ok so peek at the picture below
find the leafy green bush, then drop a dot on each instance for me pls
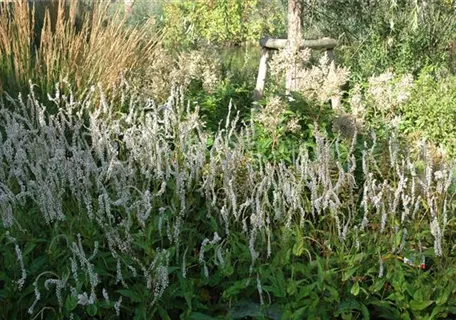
(225, 21)
(403, 35)
(212, 78)
(215, 106)
(431, 111)
(418, 109)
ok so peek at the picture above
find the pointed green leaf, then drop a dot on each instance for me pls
(355, 289)
(134, 296)
(420, 305)
(92, 310)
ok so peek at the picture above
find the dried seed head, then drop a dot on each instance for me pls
(345, 126)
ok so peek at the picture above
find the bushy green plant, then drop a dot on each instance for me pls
(373, 36)
(430, 111)
(215, 106)
(285, 122)
(212, 79)
(417, 109)
(234, 22)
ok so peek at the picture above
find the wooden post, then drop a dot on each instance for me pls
(262, 71)
(294, 37)
(330, 54)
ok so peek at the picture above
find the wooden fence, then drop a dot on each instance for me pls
(269, 44)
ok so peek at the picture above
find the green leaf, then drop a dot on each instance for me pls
(300, 313)
(133, 295)
(227, 269)
(321, 275)
(140, 314)
(355, 289)
(417, 305)
(70, 303)
(298, 247)
(348, 306)
(37, 263)
(246, 309)
(439, 312)
(443, 297)
(200, 316)
(398, 239)
(233, 290)
(29, 248)
(292, 287)
(387, 309)
(163, 313)
(421, 294)
(92, 310)
(349, 273)
(378, 285)
(306, 291)
(365, 311)
(333, 294)
(279, 285)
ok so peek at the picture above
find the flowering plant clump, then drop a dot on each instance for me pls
(202, 65)
(270, 115)
(318, 83)
(119, 196)
(387, 91)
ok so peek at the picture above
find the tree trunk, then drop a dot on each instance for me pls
(294, 39)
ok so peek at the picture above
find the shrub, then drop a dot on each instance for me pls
(233, 22)
(430, 111)
(373, 36)
(210, 81)
(418, 109)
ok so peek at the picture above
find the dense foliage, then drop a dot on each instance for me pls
(138, 178)
(223, 21)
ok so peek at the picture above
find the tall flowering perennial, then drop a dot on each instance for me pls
(157, 80)
(270, 116)
(203, 64)
(318, 83)
(389, 91)
(138, 179)
(386, 93)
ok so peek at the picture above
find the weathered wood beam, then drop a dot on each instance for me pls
(262, 71)
(318, 44)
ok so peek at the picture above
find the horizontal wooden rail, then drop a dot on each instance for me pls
(317, 44)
